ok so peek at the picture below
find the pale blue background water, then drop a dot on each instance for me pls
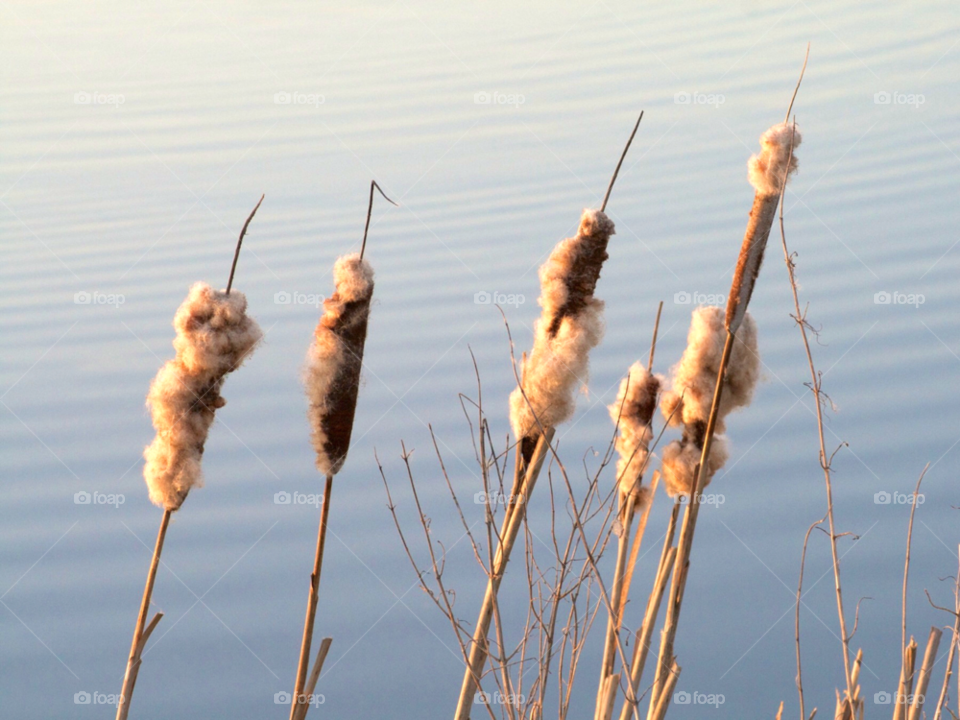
(145, 197)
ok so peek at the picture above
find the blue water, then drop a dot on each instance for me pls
(135, 140)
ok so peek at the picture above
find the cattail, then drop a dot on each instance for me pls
(214, 336)
(690, 398)
(332, 382)
(768, 172)
(335, 359)
(569, 327)
(633, 412)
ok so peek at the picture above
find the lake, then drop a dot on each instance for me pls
(134, 141)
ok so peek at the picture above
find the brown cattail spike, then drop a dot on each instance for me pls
(768, 172)
(335, 360)
(633, 412)
(569, 326)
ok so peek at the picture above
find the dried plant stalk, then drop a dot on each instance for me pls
(214, 336)
(923, 680)
(332, 382)
(512, 520)
(905, 687)
(763, 169)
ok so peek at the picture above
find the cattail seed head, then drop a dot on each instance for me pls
(690, 398)
(335, 360)
(695, 377)
(767, 171)
(569, 327)
(214, 336)
(633, 413)
(680, 461)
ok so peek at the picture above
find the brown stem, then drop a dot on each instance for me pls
(659, 701)
(136, 647)
(512, 520)
(312, 600)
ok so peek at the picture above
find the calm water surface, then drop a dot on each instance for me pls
(135, 140)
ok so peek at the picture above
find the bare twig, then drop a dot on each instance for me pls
(803, 560)
(366, 227)
(616, 171)
(236, 253)
(941, 702)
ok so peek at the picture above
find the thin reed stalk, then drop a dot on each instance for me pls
(825, 460)
(510, 528)
(314, 677)
(298, 701)
(665, 680)
(604, 696)
(926, 669)
(641, 646)
(951, 656)
(141, 635)
(633, 413)
(905, 686)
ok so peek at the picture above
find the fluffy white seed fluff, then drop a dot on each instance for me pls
(694, 378)
(214, 336)
(569, 327)
(633, 411)
(766, 169)
(334, 361)
(680, 460)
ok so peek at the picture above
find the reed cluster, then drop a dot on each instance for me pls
(717, 374)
